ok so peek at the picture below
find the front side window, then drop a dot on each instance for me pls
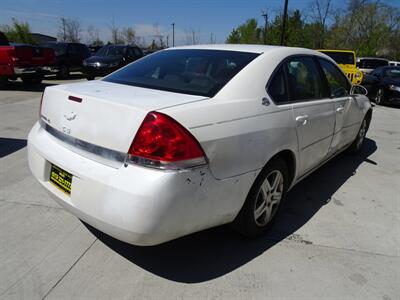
(195, 72)
(337, 82)
(304, 79)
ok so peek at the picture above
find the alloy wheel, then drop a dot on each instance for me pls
(362, 133)
(268, 198)
(379, 96)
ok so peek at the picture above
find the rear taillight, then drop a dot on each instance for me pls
(163, 143)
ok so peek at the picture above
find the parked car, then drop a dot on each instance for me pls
(193, 137)
(94, 49)
(368, 64)
(394, 63)
(346, 59)
(69, 58)
(110, 58)
(383, 85)
(25, 61)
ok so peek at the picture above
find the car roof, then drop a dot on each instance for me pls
(336, 50)
(377, 58)
(247, 48)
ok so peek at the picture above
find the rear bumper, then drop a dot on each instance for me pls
(134, 204)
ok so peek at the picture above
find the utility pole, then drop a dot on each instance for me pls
(173, 34)
(265, 15)
(284, 23)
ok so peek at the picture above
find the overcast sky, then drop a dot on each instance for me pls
(217, 17)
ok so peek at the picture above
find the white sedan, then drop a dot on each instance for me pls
(194, 137)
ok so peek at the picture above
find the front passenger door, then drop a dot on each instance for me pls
(339, 91)
(313, 111)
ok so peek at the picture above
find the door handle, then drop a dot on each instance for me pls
(302, 119)
(340, 109)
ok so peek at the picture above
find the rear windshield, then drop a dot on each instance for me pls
(371, 63)
(195, 72)
(343, 58)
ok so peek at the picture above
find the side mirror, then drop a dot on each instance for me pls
(358, 90)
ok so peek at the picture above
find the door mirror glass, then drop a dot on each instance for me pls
(358, 90)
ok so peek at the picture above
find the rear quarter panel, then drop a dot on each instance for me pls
(237, 132)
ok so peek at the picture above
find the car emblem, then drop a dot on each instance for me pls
(70, 116)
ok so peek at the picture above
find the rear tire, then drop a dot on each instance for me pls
(264, 200)
(32, 79)
(356, 146)
(63, 72)
(90, 77)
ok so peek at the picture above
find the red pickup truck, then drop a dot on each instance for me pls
(28, 62)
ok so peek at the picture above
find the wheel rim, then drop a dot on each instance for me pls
(378, 97)
(361, 133)
(268, 198)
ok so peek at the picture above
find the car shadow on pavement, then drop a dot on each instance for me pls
(9, 145)
(24, 87)
(215, 252)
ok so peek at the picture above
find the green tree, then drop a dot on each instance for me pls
(18, 32)
(247, 33)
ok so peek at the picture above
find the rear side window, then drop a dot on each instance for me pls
(277, 87)
(195, 72)
(337, 82)
(304, 79)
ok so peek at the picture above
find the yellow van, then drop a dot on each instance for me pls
(346, 59)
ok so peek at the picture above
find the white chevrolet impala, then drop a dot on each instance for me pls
(193, 137)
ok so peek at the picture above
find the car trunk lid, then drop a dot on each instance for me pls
(102, 113)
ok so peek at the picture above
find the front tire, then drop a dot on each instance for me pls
(380, 97)
(264, 200)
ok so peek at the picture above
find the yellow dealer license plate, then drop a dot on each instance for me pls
(61, 179)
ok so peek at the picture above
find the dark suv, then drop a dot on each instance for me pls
(69, 57)
(110, 58)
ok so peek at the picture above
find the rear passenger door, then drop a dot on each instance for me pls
(313, 111)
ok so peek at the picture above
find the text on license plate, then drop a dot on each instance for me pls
(61, 179)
